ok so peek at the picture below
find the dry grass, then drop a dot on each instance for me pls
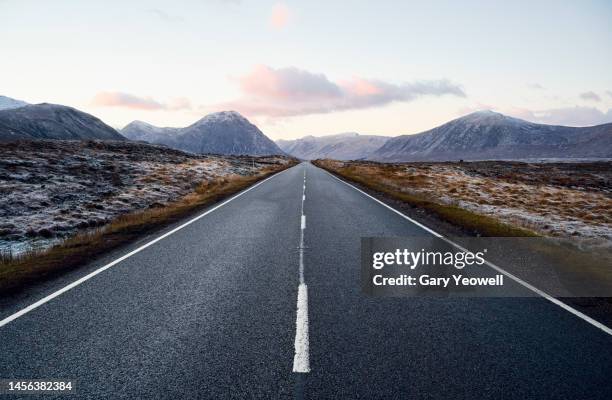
(34, 265)
(403, 185)
(542, 198)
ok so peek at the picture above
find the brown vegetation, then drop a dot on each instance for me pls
(498, 198)
(33, 265)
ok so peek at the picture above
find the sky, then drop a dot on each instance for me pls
(298, 68)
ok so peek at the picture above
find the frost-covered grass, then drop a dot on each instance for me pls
(63, 203)
(565, 200)
(51, 190)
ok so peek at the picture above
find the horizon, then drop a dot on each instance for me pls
(315, 135)
(319, 135)
(294, 71)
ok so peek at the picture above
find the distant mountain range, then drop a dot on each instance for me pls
(6, 103)
(225, 132)
(52, 121)
(487, 135)
(483, 135)
(343, 146)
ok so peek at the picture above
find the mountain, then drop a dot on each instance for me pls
(489, 135)
(344, 146)
(52, 121)
(225, 132)
(138, 130)
(6, 103)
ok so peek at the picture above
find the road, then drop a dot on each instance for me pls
(211, 311)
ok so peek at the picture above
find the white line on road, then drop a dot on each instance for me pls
(539, 292)
(118, 260)
(301, 359)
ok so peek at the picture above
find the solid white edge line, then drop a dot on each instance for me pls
(303, 223)
(66, 288)
(389, 207)
(301, 359)
(539, 292)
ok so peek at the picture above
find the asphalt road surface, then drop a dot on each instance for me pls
(213, 310)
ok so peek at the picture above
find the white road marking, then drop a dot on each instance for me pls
(389, 207)
(118, 260)
(539, 292)
(301, 358)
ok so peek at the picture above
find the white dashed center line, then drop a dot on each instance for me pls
(301, 359)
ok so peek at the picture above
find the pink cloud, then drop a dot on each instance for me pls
(126, 100)
(280, 16)
(290, 91)
(287, 83)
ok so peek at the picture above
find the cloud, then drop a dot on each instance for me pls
(290, 91)
(570, 116)
(287, 83)
(590, 96)
(280, 16)
(126, 100)
(535, 86)
(609, 93)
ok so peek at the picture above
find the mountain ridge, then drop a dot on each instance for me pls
(8, 103)
(52, 121)
(224, 132)
(490, 135)
(340, 146)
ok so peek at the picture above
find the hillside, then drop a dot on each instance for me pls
(52, 121)
(7, 103)
(489, 135)
(225, 132)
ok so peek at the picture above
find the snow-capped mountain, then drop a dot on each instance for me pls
(7, 103)
(489, 135)
(343, 146)
(52, 121)
(138, 130)
(225, 132)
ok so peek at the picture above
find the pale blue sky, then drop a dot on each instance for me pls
(390, 67)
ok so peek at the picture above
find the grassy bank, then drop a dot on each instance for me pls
(377, 177)
(18, 271)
